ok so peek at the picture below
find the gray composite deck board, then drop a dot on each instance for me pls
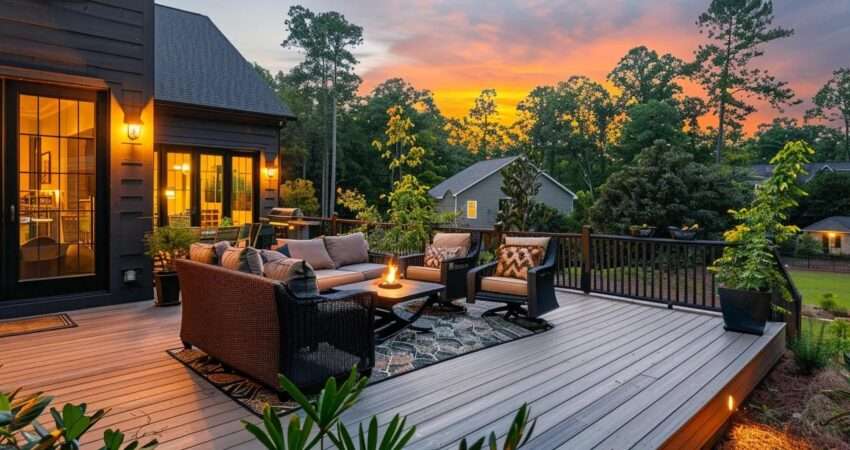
(610, 374)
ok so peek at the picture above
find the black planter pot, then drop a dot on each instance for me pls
(682, 235)
(745, 311)
(167, 289)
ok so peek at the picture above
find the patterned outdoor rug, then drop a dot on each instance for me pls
(454, 334)
(29, 325)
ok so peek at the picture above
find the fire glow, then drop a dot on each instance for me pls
(391, 280)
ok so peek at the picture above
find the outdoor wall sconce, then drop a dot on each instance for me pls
(271, 172)
(134, 130)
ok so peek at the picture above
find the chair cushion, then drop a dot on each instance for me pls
(328, 278)
(220, 247)
(271, 255)
(245, 259)
(448, 240)
(515, 260)
(283, 269)
(296, 274)
(527, 241)
(422, 273)
(369, 270)
(311, 250)
(434, 256)
(504, 285)
(202, 253)
(347, 249)
(280, 246)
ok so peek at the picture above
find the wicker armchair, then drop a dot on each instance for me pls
(529, 298)
(452, 272)
(258, 327)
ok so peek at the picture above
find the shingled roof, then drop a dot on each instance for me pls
(763, 171)
(470, 176)
(195, 64)
(839, 224)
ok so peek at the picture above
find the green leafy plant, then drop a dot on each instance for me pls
(299, 193)
(827, 302)
(226, 222)
(747, 262)
(323, 422)
(812, 352)
(169, 243)
(20, 429)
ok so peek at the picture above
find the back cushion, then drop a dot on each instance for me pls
(271, 255)
(528, 241)
(246, 260)
(296, 274)
(202, 253)
(313, 251)
(348, 249)
(515, 260)
(450, 240)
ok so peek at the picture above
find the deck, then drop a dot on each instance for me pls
(612, 374)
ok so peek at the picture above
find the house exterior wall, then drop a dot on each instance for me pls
(200, 128)
(106, 46)
(488, 192)
(844, 250)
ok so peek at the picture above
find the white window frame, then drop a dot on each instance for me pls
(474, 205)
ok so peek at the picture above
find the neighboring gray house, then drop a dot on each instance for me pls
(762, 171)
(474, 193)
(834, 232)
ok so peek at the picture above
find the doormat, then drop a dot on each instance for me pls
(29, 325)
(452, 335)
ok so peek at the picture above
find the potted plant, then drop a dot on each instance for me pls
(747, 271)
(643, 231)
(165, 245)
(685, 233)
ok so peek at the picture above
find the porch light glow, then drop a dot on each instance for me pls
(271, 172)
(134, 131)
(730, 403)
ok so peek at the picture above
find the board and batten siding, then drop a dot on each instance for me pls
(104, 45)
(195, 127)
(488, 192)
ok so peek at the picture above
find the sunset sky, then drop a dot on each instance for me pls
(456, 48)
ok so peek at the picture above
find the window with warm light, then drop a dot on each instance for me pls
(472, 209)
(242, 190)
(212, 190)
(178, 190)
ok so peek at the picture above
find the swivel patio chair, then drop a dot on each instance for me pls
(452, 271)
(529, 298)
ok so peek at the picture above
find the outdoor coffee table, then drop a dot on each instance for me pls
(390, 322)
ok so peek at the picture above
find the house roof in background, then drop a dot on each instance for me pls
(195, 64)
(470, 176)
(763, 171)
(839, 224)
(476, 173)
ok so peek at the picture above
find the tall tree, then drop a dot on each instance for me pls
(642, 75)
(481, 131)
(520, 185)
(647, 123)
(832, 102)
(737, 30)
(326, 39)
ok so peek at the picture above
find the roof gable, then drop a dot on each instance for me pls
(839, 224)
(195, 64)
(478, 172)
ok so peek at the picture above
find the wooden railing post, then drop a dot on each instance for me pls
(586, 260)
(333, 225)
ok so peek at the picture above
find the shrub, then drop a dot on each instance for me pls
(299, 193)
(808, 246)
(827, 303)
(812, 351)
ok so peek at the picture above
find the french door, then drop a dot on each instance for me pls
(54, 179)
(203, 187)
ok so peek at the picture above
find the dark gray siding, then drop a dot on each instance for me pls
(109, 41)
(198, 128)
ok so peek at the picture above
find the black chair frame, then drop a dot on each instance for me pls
(452, 271)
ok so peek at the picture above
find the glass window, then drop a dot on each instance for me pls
(471, 209)
(178, 189)
(56, 189)
(155, 188)
(212, 190)
(242, 190)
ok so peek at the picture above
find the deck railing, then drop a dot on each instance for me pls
(667, 271)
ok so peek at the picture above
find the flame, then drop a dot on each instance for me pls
(391, 276)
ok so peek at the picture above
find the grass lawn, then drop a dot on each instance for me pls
(813, 285)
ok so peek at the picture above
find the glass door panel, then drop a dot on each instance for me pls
(56, 187)
(212, 190)
(242, 190)
(178, 189)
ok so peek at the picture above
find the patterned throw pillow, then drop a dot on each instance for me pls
(515, 260)
(434, 256)
(245, 259)
(203, 253)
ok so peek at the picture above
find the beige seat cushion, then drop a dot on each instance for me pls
(348, 249)
(370, 271)
(311, 250)
(423, 273)
(329, 278)
(449, 240)
(202, 253)
(527, 241)
(504, 285)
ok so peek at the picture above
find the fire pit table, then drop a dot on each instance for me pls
(389, 321)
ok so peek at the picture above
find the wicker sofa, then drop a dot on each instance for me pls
(258, 327)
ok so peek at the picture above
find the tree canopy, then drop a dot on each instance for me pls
(832, 103)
